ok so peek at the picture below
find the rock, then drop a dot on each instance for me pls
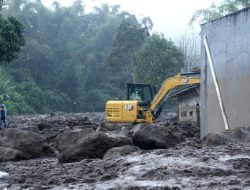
(68, 138)
(86, 143)
(44, 125)
(215, 140)
(117, 152)
(95, 116)
(7, 154)
(241, 163)
(19, 144)
(241, 134)
(154, 137)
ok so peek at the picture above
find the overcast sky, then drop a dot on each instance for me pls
(170, 17)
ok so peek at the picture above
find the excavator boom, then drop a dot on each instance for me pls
(172, 83)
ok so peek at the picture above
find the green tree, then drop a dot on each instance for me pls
(158, 60)
(15, 102)
(6, 88)
(129, 39)
(11, 37)
(76, 61)
(65, 53)
(217, 11)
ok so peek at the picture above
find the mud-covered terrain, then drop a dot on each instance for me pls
(182, 162)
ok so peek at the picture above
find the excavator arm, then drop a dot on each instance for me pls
(168, 85)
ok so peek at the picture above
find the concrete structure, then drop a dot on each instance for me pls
(188, 104)
(229, 42)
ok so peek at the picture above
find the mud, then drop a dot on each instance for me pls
(50, 125)
(189, 165)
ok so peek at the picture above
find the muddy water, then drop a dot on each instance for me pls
(187, 166)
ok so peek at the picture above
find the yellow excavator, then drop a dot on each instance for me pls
(142, 106)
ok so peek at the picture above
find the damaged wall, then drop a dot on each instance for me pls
(187, 107)
(229, 43)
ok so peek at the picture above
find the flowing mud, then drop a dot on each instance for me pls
(188, 165)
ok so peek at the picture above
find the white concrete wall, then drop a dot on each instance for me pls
(229, 42)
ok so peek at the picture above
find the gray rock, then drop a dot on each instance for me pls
(16, 144)
(215, 140)
(117, 152)
(241, 134)
(86, 143)
(44, 125)
(154, 137)
(7, 154)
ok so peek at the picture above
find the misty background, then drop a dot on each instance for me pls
(80, 54)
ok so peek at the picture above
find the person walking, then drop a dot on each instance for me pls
(3, 114)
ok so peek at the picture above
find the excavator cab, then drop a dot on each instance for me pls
(142, 93)
(131, 110)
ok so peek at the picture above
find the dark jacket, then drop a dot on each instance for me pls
(3, 114)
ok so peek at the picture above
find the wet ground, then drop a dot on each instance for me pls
(189, 165)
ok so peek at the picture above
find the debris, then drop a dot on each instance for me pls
(222, 162)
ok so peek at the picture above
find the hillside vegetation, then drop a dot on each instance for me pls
(74, 61)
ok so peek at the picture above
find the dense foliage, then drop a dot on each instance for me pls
(11, 37)
(74, 61)
(157, 60)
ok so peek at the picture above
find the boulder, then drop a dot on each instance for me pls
(16, 144)
(86, 143)
(117, 152)
(44, 125)
(151, 137)
(7, 154)
(215, 140)
(241, 134)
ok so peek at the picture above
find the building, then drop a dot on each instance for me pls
(188, 104)
(228, 40)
